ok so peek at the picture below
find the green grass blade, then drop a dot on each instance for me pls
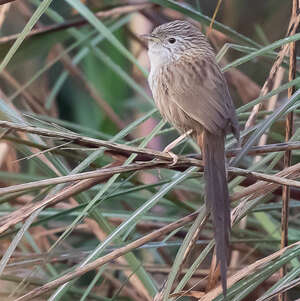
(180, 254)
(198, 16)
(32, 21)
(91, 18)
(265, 125)
(262, 51)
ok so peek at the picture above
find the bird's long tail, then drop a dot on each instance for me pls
(217, 197)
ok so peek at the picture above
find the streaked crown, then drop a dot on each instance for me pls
(172, 40)
(177, 28)
(180, 35)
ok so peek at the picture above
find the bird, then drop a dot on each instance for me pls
(191, 93)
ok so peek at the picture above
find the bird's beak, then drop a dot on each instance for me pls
(149, 37)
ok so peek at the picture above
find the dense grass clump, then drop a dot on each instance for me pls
(91, 208)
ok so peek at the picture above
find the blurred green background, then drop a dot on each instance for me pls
(83, 69)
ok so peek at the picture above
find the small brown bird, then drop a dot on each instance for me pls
(191, 92)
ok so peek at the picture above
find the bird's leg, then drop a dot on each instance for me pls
(170, 146)
(200, 142)
(227, 165)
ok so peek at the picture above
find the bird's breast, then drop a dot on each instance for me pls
(161, 83)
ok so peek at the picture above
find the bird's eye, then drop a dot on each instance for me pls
(172, 40)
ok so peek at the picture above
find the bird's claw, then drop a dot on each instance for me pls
(174, 158)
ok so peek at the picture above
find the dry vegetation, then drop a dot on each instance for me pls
(91, 208)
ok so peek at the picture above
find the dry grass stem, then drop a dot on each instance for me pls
(269, 82)
(288, 134)
(25, 211)
(114, 12)
(109, 257)
(248, 270)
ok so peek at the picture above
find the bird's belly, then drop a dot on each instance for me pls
(168, 108)
(175, 115)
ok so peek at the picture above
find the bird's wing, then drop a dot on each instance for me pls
(200, 90)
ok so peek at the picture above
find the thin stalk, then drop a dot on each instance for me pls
(288, 153)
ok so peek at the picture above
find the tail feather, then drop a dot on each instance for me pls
(217, 197)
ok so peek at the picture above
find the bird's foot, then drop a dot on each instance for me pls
(177, 141)
(174, 157)
(174, 143)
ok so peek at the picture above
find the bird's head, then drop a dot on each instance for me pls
(170, 41)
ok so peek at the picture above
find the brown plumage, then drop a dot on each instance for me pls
(190, 92)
